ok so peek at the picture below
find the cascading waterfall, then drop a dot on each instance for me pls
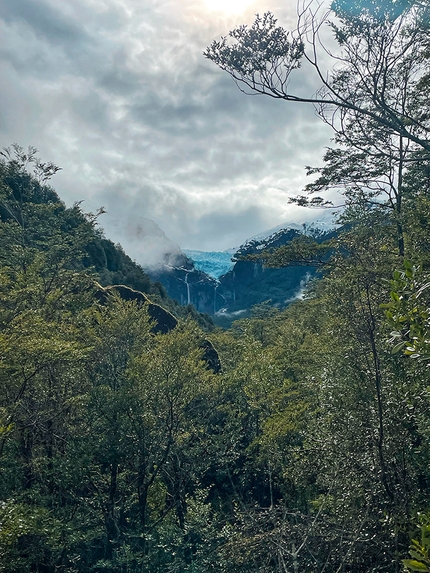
(188, 288)
(300, 292)
(303, 283)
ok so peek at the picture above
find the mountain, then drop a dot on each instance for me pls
(250, 283)
(197, 278)
(315, 229)
(187, 285)
(165, 263)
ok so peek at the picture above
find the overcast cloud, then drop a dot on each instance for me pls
(118, 93)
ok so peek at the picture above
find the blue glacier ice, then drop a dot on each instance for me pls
(213, 263)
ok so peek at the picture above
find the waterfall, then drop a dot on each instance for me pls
(188, 288)
(303, 284)
(300, 292)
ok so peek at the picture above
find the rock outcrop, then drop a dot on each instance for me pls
(163, 320)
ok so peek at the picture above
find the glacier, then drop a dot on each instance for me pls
(213, 263)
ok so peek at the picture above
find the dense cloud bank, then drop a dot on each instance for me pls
(119, 94)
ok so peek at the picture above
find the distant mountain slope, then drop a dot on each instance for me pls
(182, 279)
(250, 283)
(315, 229)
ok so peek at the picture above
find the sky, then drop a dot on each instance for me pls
(119, 95)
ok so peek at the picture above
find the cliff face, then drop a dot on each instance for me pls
(249, 283)
(186, 284)
(164, 262)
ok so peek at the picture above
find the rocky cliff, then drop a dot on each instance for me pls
(250, 283)
(188, 285)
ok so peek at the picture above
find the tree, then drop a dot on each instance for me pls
(375, 44)
(408, 312)
(362, 447)
(420, 549)
(374, 98)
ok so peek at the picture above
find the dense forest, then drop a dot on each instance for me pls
(124, 450)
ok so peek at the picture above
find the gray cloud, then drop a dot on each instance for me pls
(45, 20)
(119, 94)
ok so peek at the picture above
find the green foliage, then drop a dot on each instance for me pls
(376, 10)
(419, 550)
(375, 100)
(408, 313)
(302, 250)
(257, 50)
(26, 533)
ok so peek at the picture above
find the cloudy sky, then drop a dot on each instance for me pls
(118, 93)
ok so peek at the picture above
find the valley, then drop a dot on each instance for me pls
(231, 284)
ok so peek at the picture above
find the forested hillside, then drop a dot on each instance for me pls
(123, 450)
